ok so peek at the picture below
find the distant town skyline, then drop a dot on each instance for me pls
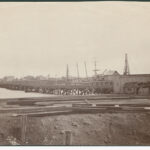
(42, 38)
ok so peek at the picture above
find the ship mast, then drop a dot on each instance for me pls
(95, 68)
(85, 70)
(67, 73)
(77, 71)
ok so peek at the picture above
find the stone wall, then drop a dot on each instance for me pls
(120, 80)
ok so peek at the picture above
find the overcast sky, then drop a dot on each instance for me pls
(41, 38)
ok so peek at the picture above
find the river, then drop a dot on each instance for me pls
(5, 93)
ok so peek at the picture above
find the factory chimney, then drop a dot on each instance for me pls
(126, 67)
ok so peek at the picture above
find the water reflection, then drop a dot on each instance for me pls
(5, 93)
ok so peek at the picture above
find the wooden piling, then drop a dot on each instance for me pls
(68, 138)
(23, 128)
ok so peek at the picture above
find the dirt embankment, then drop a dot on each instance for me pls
(86, 129)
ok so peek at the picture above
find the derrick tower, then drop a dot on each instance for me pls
(126, 67)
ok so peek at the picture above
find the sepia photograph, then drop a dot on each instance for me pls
(75, 73)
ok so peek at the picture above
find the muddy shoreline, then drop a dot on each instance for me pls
(86, 129)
